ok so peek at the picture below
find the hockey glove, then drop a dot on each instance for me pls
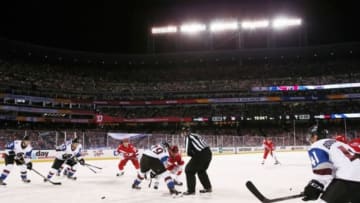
(11, 153)
(66, 156)
(82, 161)
(19, 158)
(312, 190)
(116, 153)
(152, 174)
(29, 165)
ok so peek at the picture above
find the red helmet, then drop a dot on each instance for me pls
(175, 149)
(355, 144)
(341, 138)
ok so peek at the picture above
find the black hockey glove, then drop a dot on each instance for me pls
(11, 153)
(29, 166)
(312, 190)
(19, 158)
(66, 156)
(153, 174)
(82, 161)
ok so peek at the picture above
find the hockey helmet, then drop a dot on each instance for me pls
(355, 144)
(341, 138)
(317, 130)
(175, 149)
(25, 141)
(185, 128)
(165, 144)
(26, 138)
(75, 140)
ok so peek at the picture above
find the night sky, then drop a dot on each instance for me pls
(123, 26)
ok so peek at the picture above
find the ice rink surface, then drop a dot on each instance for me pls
(228, 174)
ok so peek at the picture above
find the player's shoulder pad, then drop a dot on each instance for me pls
(324, 144)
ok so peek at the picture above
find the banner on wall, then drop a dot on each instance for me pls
(121, 136)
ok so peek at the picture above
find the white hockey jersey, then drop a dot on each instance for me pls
(19, 151)
(66, 149)
(158, 152)
(333, 159)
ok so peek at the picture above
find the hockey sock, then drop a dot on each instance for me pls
(59, 170)
(66, 171)
(23, 175)
(50, 175)
(4, 174)
(137, 182)
(71, 172)
(170, 183)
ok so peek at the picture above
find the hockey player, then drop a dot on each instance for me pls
(128, 152)
(336, 170)
(269, 148)
(18, 152)
(156, 160)
(69, 154)
(175, 166)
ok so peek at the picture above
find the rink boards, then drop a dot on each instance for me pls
(108, 154)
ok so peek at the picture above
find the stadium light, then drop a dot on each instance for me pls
(280, 23)
(164, 30)
(192, 28)
(251, 25)
(223, 26)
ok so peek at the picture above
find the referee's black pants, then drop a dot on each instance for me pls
(199, 163)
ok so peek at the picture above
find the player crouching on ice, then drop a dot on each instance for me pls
(175, 166)
(336, 169)
(18, 151)
(269, 148)
(70, 154)
(155, 159)
(128, 152)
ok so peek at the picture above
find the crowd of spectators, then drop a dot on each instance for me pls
(275, 109)
(169, 81)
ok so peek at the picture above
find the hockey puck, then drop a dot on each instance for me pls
(103, 197)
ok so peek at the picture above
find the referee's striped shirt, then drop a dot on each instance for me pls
(194, 144)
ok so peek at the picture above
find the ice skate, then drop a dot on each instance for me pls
(135, 186)
(206, 190)
(2, 182)
(178, 183)
(120, 174)
(25, 180)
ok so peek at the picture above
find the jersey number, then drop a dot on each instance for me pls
(349, 155)
(158, 150)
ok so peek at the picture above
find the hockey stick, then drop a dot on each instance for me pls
(90, 168)
(86, 164)
(150, 182)
(263, 199)
(45, 178)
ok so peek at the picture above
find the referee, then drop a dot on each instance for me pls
(200, 154)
